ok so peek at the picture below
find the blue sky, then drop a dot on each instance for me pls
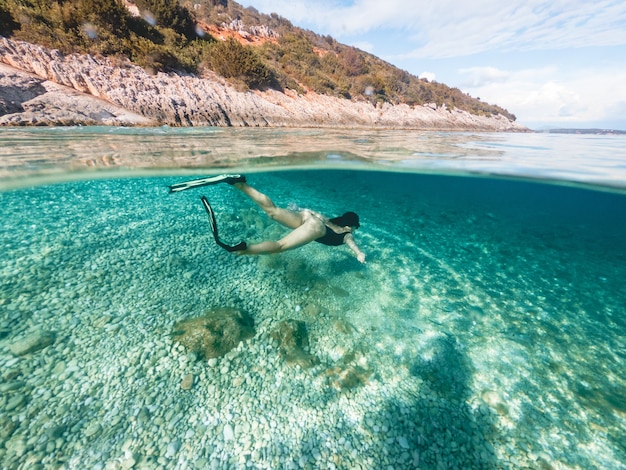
(559, 63)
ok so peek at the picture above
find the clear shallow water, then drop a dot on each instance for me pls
(488, 323)
(37, 155)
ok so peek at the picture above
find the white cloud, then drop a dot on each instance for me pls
(453, 28)
(482, 76)
(618, 108)
(524, 26)
(545, 95)
(430, 76)
(364, 46)
(339, 19)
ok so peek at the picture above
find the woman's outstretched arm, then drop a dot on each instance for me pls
(349, 240)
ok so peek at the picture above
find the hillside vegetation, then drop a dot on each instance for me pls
(259, 51)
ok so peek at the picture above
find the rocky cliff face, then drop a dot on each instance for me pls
(43, 86)
(26, 99)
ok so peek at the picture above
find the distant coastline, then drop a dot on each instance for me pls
(583, 131)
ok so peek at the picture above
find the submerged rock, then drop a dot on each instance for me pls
(348, 377)
(92, 429)
(495, 401)
(187, 382)
(215, 333)
(293, 341)
(344, 327)
(32, 342)
(350, 372)
(7, 427)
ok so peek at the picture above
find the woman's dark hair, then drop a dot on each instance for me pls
(351, 219)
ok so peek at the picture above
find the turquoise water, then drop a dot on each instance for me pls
(487, 329)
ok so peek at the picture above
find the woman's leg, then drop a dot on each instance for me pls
(285, 217)
(311, 229)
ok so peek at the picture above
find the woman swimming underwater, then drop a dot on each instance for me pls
(306, 225)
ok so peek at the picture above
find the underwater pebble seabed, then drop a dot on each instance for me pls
(487, 329)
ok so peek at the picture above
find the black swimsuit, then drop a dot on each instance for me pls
(332, 238)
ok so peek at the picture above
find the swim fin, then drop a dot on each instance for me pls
(238, 247)
(230, 179)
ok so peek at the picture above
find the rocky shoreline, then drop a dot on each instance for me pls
(43, 87)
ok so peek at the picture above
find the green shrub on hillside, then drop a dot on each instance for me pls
(352, 62)
(106, 27)
(230, 59)
(169, 14)
(7, 24)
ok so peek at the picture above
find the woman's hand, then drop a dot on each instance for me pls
(349, 240)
